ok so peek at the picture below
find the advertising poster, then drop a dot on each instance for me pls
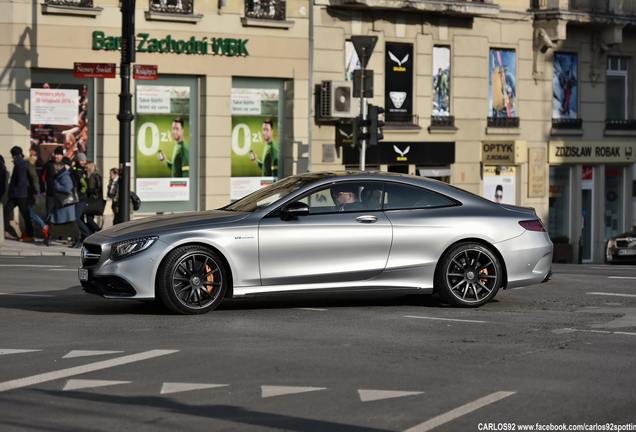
(441, 81)
(254, 134)
(502, 92)
(499, 184)
(564, 86)
(162, 150)
(352, 61)
(398, 82)
(59, 116)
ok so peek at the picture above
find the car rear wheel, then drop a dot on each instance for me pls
(192, 280)
(469, 275)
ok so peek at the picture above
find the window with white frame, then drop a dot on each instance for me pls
(616, 88)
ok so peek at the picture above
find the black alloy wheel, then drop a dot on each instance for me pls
(192, 280)
(469, 275)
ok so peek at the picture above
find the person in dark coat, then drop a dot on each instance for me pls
(47, 184)
(4, 178)
(19, 192)
(62, 217)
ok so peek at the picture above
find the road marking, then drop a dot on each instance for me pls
(458, 412)
(613, 268)
(80, 353)
(612, 294)
(64, 373)
(15, 351)
(621, 277)
(81, 384)
(270, 391)
(31, 265)
(181, 387)
(27, 295)
(570, 330)
(373, 395)
(314, 309)
(444, 319)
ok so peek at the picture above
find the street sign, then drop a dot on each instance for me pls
(364, 47)
(145, 72)
(94, 70)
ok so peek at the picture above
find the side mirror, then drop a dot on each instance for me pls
(293, 210)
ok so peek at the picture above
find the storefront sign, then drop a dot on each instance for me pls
(591, 152)
(398, 81)
(503, 152)
(146, 43)
(145, 72)
(537, 163)
(403, 153)
(94, 70)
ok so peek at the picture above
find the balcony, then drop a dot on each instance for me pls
(394, 121)
(266, 13)
(503, 122)
(185, 7)
(584, 11)
(71, 7)
(567, 123)
(462, 8)
(172, 10)
(620, 125)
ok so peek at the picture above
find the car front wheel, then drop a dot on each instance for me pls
(469, 275)
(192, 280)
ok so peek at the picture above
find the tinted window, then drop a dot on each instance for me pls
(399, 196)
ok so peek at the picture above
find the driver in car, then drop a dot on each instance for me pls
(345, 198)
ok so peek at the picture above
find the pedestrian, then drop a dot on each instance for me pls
(95, 191)
(33, 199)
(113, 193)
(47, 184)
(19, 192)
(4, 178)
(78, 176)
(62, 220)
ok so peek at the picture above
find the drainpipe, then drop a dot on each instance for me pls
(310, 88)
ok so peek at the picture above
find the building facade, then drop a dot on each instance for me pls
(529, 104)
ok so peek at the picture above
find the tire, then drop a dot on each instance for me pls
(469, 275)
(192, 280)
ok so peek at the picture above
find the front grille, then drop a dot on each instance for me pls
(91, 254)
(622, 243)
(109, 285)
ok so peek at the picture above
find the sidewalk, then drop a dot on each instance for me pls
(13, 247)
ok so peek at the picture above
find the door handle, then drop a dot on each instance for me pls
(366, 219)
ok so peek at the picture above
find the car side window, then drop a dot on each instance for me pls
(345, 197)
(400, 196)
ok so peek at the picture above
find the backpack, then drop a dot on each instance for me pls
(136, 201)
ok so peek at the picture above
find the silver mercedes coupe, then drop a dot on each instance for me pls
(324, 232)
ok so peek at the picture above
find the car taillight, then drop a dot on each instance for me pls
(533, 225)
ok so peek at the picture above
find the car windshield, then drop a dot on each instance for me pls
(269, 194)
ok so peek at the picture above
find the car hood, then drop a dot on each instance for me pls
(156, 225)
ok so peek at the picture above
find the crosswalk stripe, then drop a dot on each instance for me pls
(16, 351)
(373, 395)
(182, 387)
(86, 353)
(75, 384)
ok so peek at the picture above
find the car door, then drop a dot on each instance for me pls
(329, 245)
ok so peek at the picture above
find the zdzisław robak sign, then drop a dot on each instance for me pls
(145, 43)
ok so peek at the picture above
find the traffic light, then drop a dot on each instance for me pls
(375, 124)
(362, 130)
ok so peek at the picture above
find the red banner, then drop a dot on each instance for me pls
(145, 72)
(94, 70)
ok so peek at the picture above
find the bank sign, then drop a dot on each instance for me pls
(591, 152)
(146, 43)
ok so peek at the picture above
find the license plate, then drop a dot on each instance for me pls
(627, 251)
(82, 274)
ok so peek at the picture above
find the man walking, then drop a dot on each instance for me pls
(19, 190)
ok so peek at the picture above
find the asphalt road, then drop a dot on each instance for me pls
(560, 353)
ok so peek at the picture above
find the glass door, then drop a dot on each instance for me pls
(587, 198)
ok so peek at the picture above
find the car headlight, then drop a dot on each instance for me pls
(126, 248)
(611, 243)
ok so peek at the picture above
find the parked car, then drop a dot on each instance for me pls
(324, 232)
(621, 248)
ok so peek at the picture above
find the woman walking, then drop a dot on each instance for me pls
(95, 192)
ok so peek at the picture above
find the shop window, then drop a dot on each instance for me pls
(616, 100)
(172, 6)
(441, 88)
(565, 93)
(559, 204)
(614, 198)
(265, 9)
